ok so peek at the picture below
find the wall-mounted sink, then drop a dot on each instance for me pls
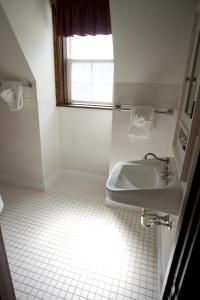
(140, 183)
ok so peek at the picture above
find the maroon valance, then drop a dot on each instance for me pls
(83, 17)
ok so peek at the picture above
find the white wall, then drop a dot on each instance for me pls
(151, 41)
(13, 64)
(20, 152)
(142, 56)
(150, 47)
(85, 136)
(32, 23)
(129, 148)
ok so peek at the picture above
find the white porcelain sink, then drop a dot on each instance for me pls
(139, 183)
(1, 204)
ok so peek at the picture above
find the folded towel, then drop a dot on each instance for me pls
(141, 121)
(12, 93)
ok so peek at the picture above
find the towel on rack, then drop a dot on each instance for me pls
(12, 94)
(141, 121)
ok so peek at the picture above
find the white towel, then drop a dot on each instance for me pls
(141, 121)
(12, 93)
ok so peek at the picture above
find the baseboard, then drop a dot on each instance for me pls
(49, 183)
(35, 185)
(83, 175)
(46, 185)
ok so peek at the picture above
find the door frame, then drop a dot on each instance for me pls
(180, 279)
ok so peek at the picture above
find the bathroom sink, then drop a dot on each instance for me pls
(139, 183)
(137, 176)
(1, 204)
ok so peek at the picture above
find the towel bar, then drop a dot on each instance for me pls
(26, 84)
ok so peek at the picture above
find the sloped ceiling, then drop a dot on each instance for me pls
(13, 64)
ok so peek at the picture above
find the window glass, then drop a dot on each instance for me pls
(90, 69)
(105, 69)
(90, 47)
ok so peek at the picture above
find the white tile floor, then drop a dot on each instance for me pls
(66, 244)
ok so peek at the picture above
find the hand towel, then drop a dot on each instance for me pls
(141, 121)
(12, 93)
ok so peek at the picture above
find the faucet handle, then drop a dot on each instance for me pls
(165, 170)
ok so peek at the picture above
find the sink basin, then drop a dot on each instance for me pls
(139, 183)
(1, 204)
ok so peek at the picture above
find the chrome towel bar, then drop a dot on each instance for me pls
(23, 83)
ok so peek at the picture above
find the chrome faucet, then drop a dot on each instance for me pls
(149, 218)
(156, 157)
(165, 170)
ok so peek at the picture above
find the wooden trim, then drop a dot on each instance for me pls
(6, 285)
(65, 81)
(60, 77)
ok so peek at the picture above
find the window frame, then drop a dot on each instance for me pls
(62, 72)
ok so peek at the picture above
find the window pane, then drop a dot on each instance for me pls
(102, 92)
(91, 81)
(102, 72)
(90, 47)
(80, 91)
(81, 72)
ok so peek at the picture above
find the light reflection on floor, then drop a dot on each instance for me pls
(66, 244)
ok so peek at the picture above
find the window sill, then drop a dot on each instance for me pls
(106, 107)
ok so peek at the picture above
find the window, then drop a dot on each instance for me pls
(90, 69)
(83, 52)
